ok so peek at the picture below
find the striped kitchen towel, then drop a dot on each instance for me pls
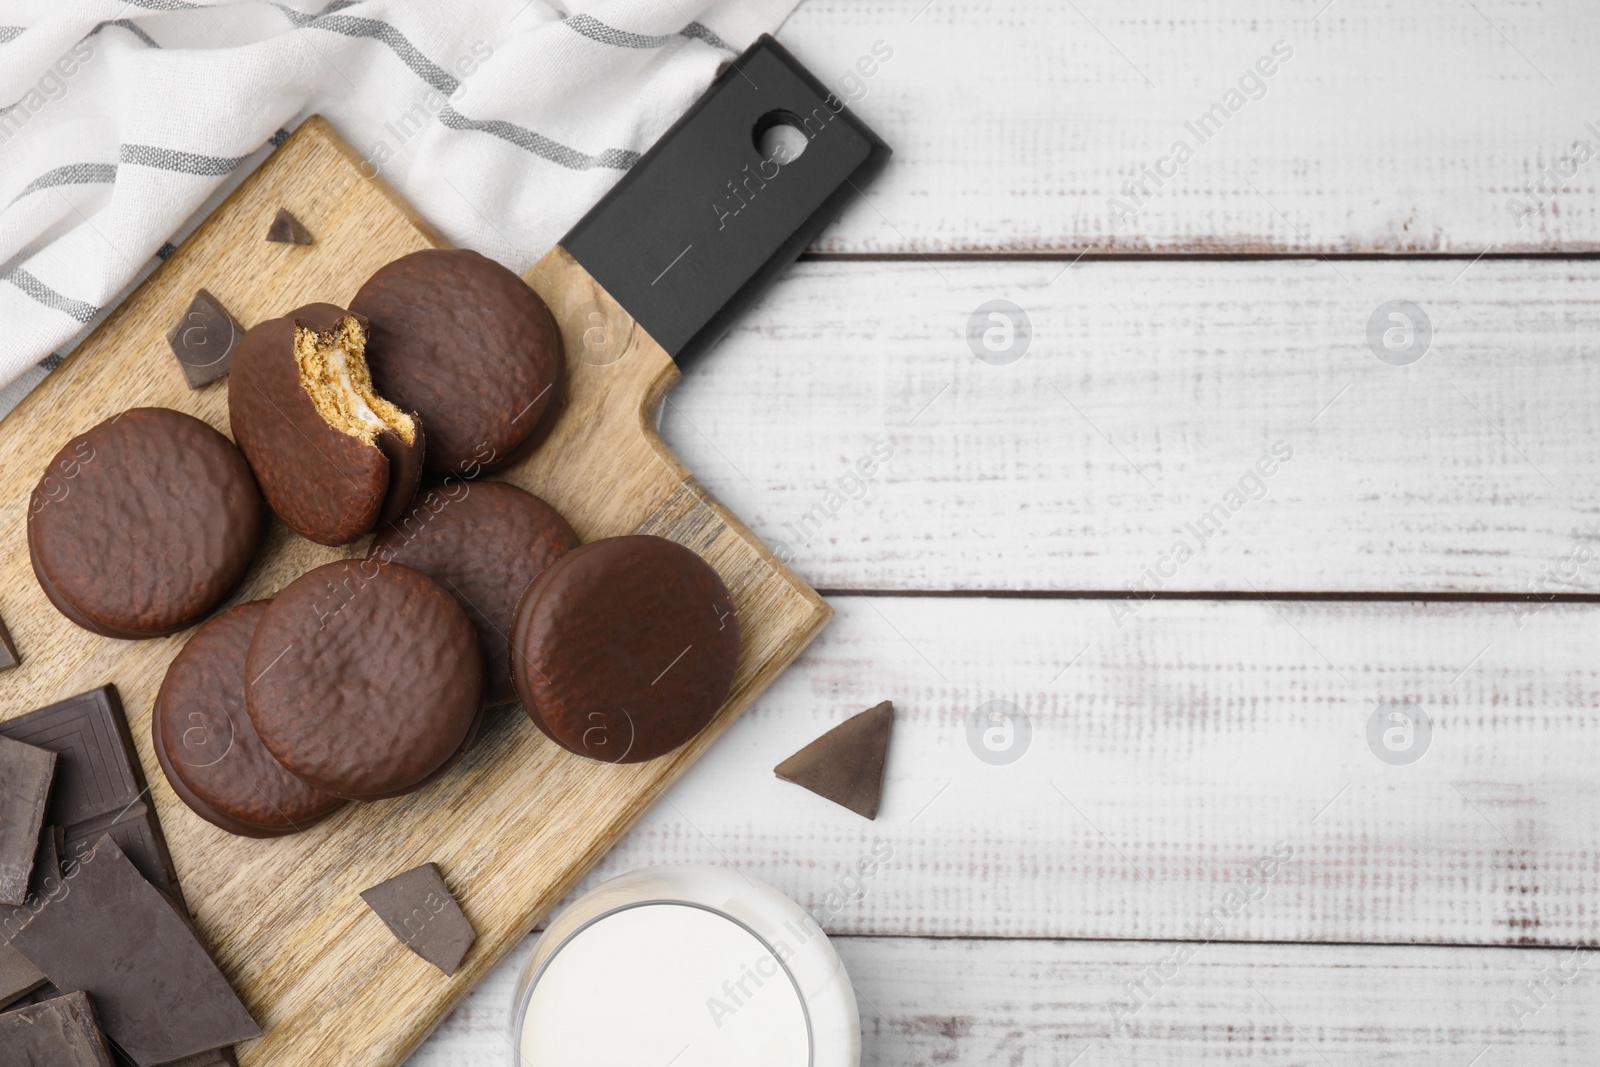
(124, 122)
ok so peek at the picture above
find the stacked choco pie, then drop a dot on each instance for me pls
(369, 677)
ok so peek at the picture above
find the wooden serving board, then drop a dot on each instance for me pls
(519, 820)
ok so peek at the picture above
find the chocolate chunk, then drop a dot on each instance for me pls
(420, 910)
(287, 230)
(46, 877)
(624, 648)
(143, 525)
(221, 1057)
(99, 787)
(332, 457)
(115, 936)
(845, 765)
(364, 679)
(485, 542)
(468, 345)
(60, 1032)
(8, 649)
(207, 744)
(204, 340)
(18, 977)
(25, 775)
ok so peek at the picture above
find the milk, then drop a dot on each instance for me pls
(685, 967)
(665, 983)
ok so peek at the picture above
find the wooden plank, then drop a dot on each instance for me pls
(1026, 1003)
(517, 821)
(1391, 126)
(1149, 392)
(1168, 759)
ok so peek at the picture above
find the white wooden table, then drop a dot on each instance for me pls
(1112, 896)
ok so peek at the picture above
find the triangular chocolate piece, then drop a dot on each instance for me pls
(419, 909)
(845, 765)
(287, 230)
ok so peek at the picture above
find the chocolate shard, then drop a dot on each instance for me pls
(25, 776)
(204, 340)
(60, 1032)
(118, 938)
(287, 230)
(47, 864)
(99, 787)
(220, 1057)
(18, 977)
(8, 649)
(845, 765)
(419, 909)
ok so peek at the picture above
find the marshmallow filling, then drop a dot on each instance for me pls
(333, 371)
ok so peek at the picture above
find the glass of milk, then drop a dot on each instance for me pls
(685, 966)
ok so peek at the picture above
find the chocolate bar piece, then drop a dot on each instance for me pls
(16, 972)
(59, 1032)
(221, 1057)
(44, 883)
(47, 864)
(31, 986)
(52, 878)
(204, 340)
(287, 230)
(8, 649)
(18, 977)
(115, 936)
(99, 788)
(845, 765)
(25, 775)
(419, 909)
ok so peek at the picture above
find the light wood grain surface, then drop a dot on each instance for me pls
(1166, 758)
(518, 820)
(928, 1002)
(1396, 126)
(1149, 390)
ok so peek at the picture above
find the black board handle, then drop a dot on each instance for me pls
(726, 199)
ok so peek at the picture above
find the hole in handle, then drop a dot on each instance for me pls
(780, 137)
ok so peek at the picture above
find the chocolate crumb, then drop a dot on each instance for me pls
(287, 230)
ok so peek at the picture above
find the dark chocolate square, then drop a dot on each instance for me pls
(204, 340)
(99, 787)
(25, 776)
